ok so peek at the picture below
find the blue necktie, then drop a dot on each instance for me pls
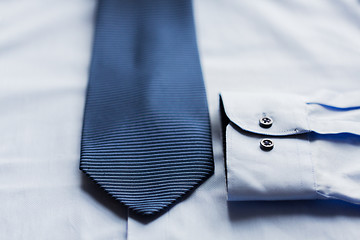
(146, 134)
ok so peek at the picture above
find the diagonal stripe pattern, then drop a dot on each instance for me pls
(146, 133)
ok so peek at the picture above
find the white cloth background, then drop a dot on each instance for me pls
(45, 45)
(284, 46)
(45, 48)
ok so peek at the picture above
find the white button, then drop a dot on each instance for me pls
(266, 144)
(265, 122)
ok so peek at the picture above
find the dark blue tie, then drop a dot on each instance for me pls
(146, 133)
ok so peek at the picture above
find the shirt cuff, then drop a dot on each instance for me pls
(286, 170)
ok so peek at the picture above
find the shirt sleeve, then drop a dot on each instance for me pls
(282, 146)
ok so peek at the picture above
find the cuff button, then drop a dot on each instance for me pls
(265, 122)
(266, 144)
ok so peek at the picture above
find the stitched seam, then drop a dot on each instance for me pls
(245, 128)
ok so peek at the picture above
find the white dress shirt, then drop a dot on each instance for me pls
(279, 58)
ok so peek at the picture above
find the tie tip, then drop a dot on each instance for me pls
(147, 212)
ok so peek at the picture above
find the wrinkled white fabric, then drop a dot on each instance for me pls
(45, 47)
(293, 47)
(289, 47)
(298, 167)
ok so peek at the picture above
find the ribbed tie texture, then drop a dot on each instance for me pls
(146, 133)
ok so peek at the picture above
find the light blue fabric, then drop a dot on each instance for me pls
(283, 49)
(304, 133)
(290, 47)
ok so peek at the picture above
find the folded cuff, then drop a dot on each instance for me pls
(287, 171)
